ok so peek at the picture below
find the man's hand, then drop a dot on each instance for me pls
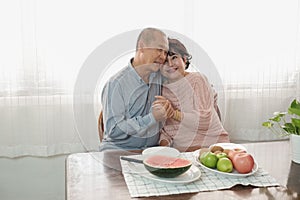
(159, 112)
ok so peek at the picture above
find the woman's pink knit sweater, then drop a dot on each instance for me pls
(200, 126)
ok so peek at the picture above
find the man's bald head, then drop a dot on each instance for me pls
(151, 38)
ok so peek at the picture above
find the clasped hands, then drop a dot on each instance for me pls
(162, 109)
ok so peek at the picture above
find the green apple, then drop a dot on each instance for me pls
(209, 159)
(202, 156)
(224, 165)
(222, 155)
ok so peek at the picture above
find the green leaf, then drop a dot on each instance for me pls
(294, 111)
(289, 127)
(294, 108)
(276, 118)
(280, 114)
(295, 104)
(267, 124)
(296, 122)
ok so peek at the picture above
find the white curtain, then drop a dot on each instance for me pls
(44, 44)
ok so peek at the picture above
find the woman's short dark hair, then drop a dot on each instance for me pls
(176, 47)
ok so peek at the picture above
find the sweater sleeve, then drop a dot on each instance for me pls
(165, 136)
(201, 116)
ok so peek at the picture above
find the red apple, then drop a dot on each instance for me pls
(243, 163)
(233, 152)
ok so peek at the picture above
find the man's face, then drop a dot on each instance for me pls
(156, 53)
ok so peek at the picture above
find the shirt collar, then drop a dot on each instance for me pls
(132, 70)
(137, 77)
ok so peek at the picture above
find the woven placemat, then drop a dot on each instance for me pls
(140, 186)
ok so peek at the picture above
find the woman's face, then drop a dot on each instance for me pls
(174, 68)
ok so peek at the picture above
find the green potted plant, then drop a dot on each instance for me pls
(288, 123)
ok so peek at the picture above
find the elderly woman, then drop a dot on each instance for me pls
(194, 122)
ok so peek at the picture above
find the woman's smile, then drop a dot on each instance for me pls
(172, 69)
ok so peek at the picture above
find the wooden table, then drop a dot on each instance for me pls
(97, 175)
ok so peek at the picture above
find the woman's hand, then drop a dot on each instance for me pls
(165, 103)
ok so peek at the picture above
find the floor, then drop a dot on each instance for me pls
(32, 178)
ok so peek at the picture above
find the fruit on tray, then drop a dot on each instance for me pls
(225, 160)
(165, 166)
(203, 150)
(232, 152)
(216, 149)
(221, 155)
(243, 163)
(224, 165)
(209, 159)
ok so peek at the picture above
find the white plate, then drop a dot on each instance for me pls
(229, 146)
(161, 150)
(234, 173)
(189, 176)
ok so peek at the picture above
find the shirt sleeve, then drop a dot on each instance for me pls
(117, 126)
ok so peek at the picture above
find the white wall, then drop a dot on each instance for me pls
(32, 178)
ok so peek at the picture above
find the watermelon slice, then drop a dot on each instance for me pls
(165, 166)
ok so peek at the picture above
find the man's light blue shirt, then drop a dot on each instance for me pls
(128, 120)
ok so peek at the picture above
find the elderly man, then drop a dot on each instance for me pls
(130, 120)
